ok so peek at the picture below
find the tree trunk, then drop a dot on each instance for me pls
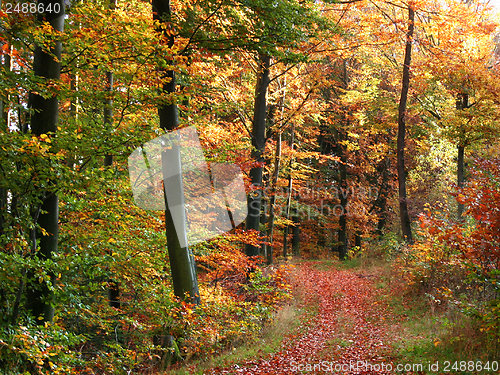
(296, 233)
(258, 143)
(44, 120)
(460, 176)
(381, 202)
(114, 286)
(4, 128)
(403, 203)
(344, 188)
(182, 262)
(270, 229)
(7, 66)
(289, 192)
(357, 240)
(462, 103)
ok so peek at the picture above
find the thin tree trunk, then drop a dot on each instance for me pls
(258, 142)
(344, 189)
(403, 203)
(295, 233)
(182, 262)
(44, 120)
(381, 202)
(342, 233)
(289, 192)
(114, 286)
(270, 230)
(460, 176)
(462, 103)
(7, 66)
(4, 128)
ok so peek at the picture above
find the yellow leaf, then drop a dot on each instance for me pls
(111, 240)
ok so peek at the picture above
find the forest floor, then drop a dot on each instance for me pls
(347, 335)
(344, 320)
(349, 328)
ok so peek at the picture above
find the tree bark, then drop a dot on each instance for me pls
(114, 286)
(289, 192)
(344, 188)
(460, 176)
(44, 120)
(270, 229)
(182, 262)
(295, 233)
(4, 127)
(381, 201)
(403, 202)
(462, 103)
(258, 142)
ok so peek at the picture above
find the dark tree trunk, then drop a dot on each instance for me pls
(462, 103)
(4, 128)
(114, 285)
(403, 202)
(258, 143)
(381, 201)
(342, 233)
(44, 120)
(108, 113)
(344, 188)
(460, 177)
(7, 66)
(357, 241)
(182, 262)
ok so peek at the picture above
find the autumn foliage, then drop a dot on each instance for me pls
(329, 180)
(457, 260)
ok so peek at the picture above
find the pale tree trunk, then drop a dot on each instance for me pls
(277, 165)
(258, 142)
(44, 120)
(403, 203)
(270, 229)
(289, 192)
(182, 264)
(295, 233)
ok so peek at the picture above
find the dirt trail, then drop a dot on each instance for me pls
(348, 335)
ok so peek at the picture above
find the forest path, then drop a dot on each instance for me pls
(347, 335)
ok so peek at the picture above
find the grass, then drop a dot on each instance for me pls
(448, 343)
(427, 334)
